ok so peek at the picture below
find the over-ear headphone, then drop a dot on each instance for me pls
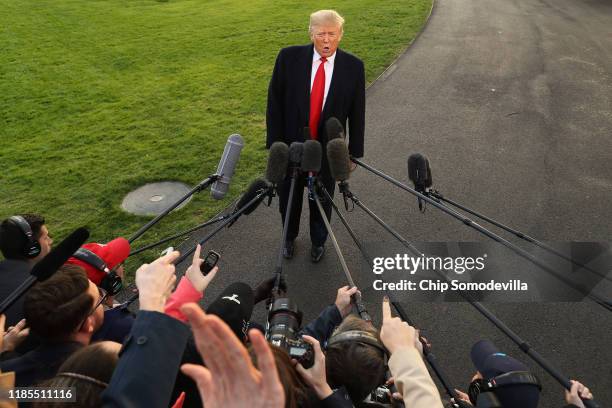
(32, 247)
(504, 380)
(358, 336)
(111, 282)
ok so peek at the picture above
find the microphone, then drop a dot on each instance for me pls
(296, 151)
(334, 129)
(253, 191)
(48, 265)
(419, 173)
(227, 165)
(312, 154)
(278, 159)
(339, 165)
(311, 162)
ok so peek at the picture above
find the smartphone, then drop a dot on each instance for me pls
(209, 262)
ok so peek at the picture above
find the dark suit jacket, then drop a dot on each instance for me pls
(12, 274)
(148, 364)
(289, 97)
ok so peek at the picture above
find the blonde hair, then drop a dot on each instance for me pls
(321, 17)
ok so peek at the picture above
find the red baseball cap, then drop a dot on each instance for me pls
(112, 253)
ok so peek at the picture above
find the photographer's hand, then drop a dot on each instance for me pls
(195, 275)
(315, 376)
(577, 393)
(230, 378)
(14, 336)
(343, 300)
(155, 282)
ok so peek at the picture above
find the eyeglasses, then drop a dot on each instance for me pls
(102, 295)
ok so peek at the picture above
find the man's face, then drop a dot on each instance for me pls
(45, 242)
(98, 313)
(326, 39)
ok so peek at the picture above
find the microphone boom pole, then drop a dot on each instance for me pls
(522, 344)
(518, 250)
(517, 233)
(429, 356)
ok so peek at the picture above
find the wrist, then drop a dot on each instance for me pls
(323, 390)
(154, 303)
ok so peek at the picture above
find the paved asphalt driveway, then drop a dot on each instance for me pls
(511, 102)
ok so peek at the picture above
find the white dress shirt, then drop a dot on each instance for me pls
(329, 71)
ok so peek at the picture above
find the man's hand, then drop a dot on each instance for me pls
(230, 378)
(394, 333)
(315, 376)
(195, 275)
(353, 166)
(577, 393)
(462, 396)
(14, 336)
(343, 299)
(155, 282)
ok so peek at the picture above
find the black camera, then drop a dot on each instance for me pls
(284, 321)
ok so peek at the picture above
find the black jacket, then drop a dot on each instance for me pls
(12, 274)
(289, 97)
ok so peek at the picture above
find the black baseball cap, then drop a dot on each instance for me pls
(234, 306)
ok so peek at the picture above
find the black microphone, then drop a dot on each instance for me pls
(419, 173)
(334, 129)
(278, 159)
(258, 186)
(339, 165)
(311, 162)
(48, 265)
(296, 151)
(227, 165)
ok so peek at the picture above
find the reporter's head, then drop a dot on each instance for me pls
(357, 366)
(89, 371)
(67, 306)
(14, 240)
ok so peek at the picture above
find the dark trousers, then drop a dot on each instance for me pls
(318, 232)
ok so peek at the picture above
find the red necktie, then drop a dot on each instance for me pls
(316, 99)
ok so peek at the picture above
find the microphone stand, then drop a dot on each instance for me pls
(429, 356)
(279, 259)
(436, 195)
(212, 234)
(516, 249)
(522, 344)
(199, 187)
(361, 309)
(180, 234)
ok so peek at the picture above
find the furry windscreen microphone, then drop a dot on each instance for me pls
(334, 129)
(226, 166)
(278, 159)
(311, 157)
(419, 172)
(60, 254)
(338, 159)
(255, 188)
(296, 149)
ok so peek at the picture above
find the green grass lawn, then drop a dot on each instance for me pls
(99, 97)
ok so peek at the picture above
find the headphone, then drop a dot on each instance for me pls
(358, 336)
(504, 380)
(32, 247)
(111, 282)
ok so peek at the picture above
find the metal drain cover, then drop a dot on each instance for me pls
(154, 198)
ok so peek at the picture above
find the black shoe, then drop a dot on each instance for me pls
(289, 249)
(316, 253)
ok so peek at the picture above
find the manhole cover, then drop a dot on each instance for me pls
(154, 198)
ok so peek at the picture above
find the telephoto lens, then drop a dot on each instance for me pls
(284, 321)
